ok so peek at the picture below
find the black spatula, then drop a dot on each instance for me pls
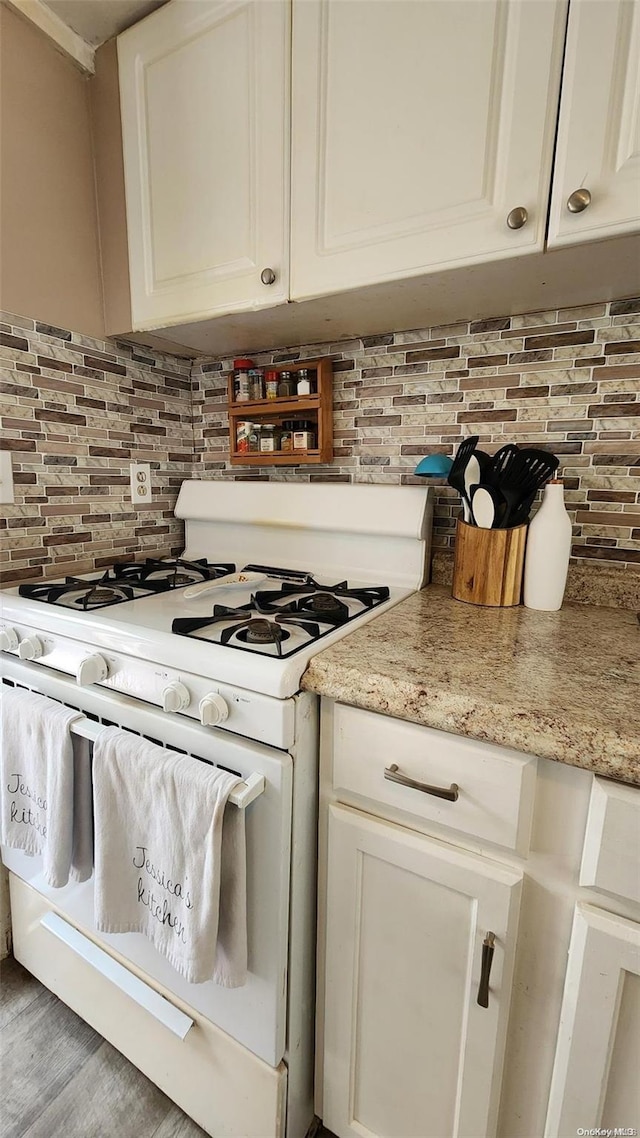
(526, 473)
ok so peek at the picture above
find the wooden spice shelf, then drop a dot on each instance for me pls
(317, 408)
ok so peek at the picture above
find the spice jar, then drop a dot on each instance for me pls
(241, 380)
(304, 382)
(242, 437)
(286, 436)
(304, 437)
(286, 385)
(269, 439)
(254, 437)
(271, 384)
(256, 390)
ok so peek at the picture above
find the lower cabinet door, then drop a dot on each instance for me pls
(594, 1089)
(409, 1049)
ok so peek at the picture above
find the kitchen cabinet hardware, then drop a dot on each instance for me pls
(450, 793)
(488, 948)
(578, 200)
(517, 217)
(267, 276)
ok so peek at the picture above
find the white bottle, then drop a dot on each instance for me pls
(548, 550)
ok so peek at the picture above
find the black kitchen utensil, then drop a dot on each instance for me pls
(499, 465)
(455, 477)
(527, 471)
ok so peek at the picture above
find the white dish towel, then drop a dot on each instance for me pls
(38, 786)
(170, 861)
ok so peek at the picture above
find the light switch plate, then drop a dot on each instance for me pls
(140, 483)
(6, 477)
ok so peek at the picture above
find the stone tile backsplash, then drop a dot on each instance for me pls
(77, 411)
(565, 380)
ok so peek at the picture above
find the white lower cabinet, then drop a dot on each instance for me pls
(411, 924)
(595, 1075)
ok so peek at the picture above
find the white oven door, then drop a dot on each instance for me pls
(255, 1014)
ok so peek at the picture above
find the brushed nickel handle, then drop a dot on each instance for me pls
(517, 217)
(449, 793)
(578, 200)
(267, 276)
(488, 948)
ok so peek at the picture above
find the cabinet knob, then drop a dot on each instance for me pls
(267, 276)
(517, 217)
(578, 200)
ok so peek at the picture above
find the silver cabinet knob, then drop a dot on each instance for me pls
(517, 217)
(30, 648)
(578, 200)
(92, 670)
(267, 276)
(213, 709)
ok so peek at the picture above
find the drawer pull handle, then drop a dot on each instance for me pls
(112, 970)
(450, 793)
(488, 947)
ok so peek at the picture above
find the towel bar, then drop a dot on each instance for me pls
(242, 796)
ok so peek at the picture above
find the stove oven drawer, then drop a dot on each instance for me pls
(401, 769)
(216, 1081)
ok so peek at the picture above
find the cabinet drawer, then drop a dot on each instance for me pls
(496, 787)
(611, 858)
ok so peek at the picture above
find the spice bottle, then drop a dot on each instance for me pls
(286, 436)
(254, 437)
(287, 385)
(242, 437)
(241, 380)
(256, 390)
(304, 382)
(271, 384)
(304, 437)
(268, 439)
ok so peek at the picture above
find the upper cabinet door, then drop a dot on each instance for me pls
(204, 88)
(417, 129)
(598, 148)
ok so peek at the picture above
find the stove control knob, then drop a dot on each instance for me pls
(30, 648)
(213, 710)
(92, 670)
(175, 697)
(8, 640)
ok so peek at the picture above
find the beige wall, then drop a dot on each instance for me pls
(109, 163)
(49, 266)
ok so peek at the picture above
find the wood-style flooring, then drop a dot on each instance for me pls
(60, 1079)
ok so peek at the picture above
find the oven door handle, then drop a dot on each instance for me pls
(142, 993)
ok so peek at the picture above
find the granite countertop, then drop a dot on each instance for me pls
(563, 685)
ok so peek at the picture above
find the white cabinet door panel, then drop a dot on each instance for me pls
(599, 130)
(417, 127)
(407, 1049)
(204, 97)
(595, 1074)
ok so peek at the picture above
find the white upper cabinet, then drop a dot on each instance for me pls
(421, 133)
(204, 88)
(598, 149)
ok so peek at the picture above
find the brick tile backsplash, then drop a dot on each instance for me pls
(76, 411)
(567, 381)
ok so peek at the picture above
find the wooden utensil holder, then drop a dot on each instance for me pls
(489, 565)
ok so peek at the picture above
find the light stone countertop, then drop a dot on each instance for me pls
(563, 685)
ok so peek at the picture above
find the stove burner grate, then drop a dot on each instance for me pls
(246, 628)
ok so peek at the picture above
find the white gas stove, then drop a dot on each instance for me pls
(187, 655)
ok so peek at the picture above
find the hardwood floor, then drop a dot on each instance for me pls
(60, 1079)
